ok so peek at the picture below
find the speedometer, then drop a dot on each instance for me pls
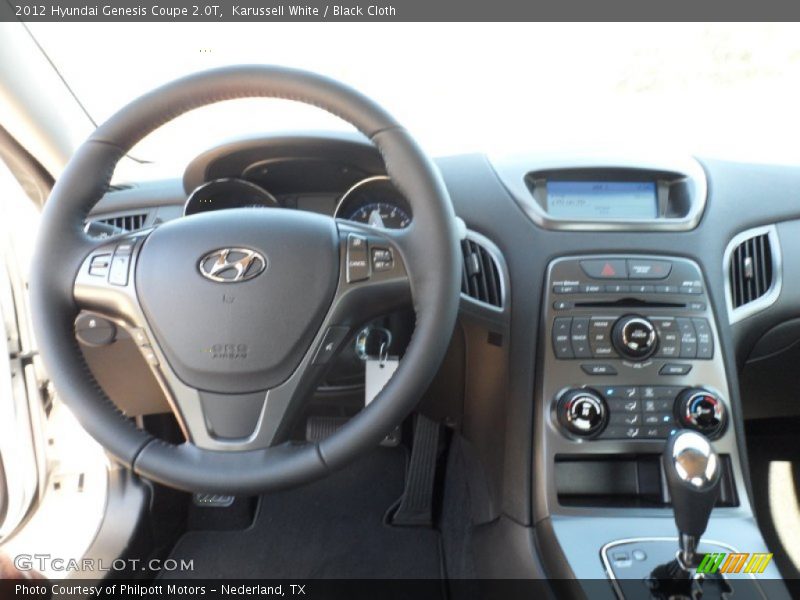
(375, 201)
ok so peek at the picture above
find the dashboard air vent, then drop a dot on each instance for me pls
(751, 274)
(126, 223)
(480, 278)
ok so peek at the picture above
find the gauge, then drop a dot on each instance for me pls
(227, 193)
(377, 202)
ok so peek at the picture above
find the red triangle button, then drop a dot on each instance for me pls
(608, 271)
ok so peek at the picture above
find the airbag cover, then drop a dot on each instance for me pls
(247, 335)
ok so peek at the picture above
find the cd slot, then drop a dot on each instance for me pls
(628, 303)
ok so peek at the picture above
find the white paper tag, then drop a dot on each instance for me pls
(378, 373)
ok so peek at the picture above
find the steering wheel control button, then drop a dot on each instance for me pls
(118, 273)
(605, 269)
(99, 265)
(649, 269)
(331, 341)
(634, 337)
(701, 410)
(561, 337)
(382, 259)
(582, 412)
(92, 330)
(357, 258)
(598, 369)
(139, 336)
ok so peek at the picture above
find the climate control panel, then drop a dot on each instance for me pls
(639, 412)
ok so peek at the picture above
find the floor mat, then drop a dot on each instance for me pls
(333, 528)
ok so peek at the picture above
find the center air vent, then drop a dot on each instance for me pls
(753, 271)
(480, 276)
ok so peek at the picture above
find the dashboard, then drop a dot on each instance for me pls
(606, 301)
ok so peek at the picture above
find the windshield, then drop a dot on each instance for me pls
(727, 91)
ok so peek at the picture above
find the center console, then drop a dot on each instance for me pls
(630, 353)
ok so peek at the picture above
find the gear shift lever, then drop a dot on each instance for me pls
(693, 475)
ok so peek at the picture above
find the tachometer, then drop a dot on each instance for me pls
(227, 193)
(377, 202)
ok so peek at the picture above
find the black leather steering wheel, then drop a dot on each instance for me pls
(236, 310)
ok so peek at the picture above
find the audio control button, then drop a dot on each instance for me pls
(675, 369)
(598, 369)
(634, 337)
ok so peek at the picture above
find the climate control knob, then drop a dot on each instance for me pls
(582, 412)
(634, 337)
(701, 410)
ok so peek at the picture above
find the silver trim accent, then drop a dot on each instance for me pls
(513, 170)
(243, 269)
(694, 460)
(747, 310)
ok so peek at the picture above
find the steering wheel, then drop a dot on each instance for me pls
(237, 311)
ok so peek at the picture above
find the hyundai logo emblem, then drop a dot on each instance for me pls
(231, 265)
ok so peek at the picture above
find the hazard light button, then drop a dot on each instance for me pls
(605, 269)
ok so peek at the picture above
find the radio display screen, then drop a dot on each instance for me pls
(586, 200)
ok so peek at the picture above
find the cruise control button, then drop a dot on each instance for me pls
(674, 369)
(605, 269)
(357, 263)
(648, 269)
(382, 259)
(598, 369)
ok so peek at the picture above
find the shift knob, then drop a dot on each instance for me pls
(693, 472)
